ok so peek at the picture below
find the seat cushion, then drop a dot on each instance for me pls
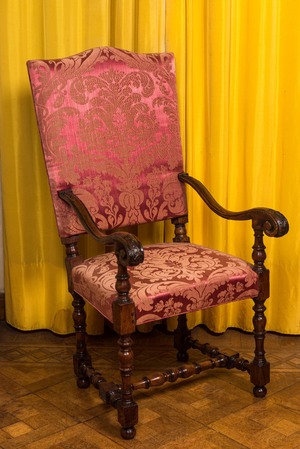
(173, 279)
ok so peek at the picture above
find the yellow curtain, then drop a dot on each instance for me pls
(238, 84)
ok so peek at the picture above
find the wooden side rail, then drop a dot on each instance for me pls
(111, 393)
(233, 360)
(173, 374)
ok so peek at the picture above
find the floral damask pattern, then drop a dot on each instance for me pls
(108, 121)
(174, 279)
(109, 127)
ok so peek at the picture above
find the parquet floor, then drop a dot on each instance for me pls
(41, 407)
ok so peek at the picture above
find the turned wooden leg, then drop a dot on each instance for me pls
(181, 342)
(79, 317)
(128, 409)
(259, 368)
(81, 355)
(124, 325)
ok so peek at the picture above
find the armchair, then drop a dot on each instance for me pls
(108, 121)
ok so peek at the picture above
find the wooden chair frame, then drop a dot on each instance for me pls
(129, 252)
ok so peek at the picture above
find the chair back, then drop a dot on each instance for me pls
(109, 127)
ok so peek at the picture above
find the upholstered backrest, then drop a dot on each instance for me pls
(108, 121)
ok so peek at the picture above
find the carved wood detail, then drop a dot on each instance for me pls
(180, 229)
(128, 252)
(260, 368)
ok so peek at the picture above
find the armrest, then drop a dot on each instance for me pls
(130, 250)
(272, 222)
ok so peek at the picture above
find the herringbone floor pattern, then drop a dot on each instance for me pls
(41, 407)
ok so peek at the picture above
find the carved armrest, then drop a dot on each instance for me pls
(270, 221)
(129, 249)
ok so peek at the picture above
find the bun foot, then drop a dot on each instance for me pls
(129, 433)
(259, 392)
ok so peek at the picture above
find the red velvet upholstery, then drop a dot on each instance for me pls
(109, 127)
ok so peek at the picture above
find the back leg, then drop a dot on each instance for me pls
(181, 339)
(81, 355)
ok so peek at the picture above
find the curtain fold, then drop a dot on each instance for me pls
(238, 72)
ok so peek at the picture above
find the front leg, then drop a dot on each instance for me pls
(260, 368)
(124, 325)
(128, 408)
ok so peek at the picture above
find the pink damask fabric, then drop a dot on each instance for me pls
(109, 128)
(174, 279)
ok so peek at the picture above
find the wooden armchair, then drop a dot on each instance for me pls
(109, 128)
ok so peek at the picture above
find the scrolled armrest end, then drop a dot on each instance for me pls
(129, 249)
(275, 224)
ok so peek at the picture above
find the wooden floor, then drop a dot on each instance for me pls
(41, 407)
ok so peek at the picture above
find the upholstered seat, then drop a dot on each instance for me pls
(174, 279)
(109, 127)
